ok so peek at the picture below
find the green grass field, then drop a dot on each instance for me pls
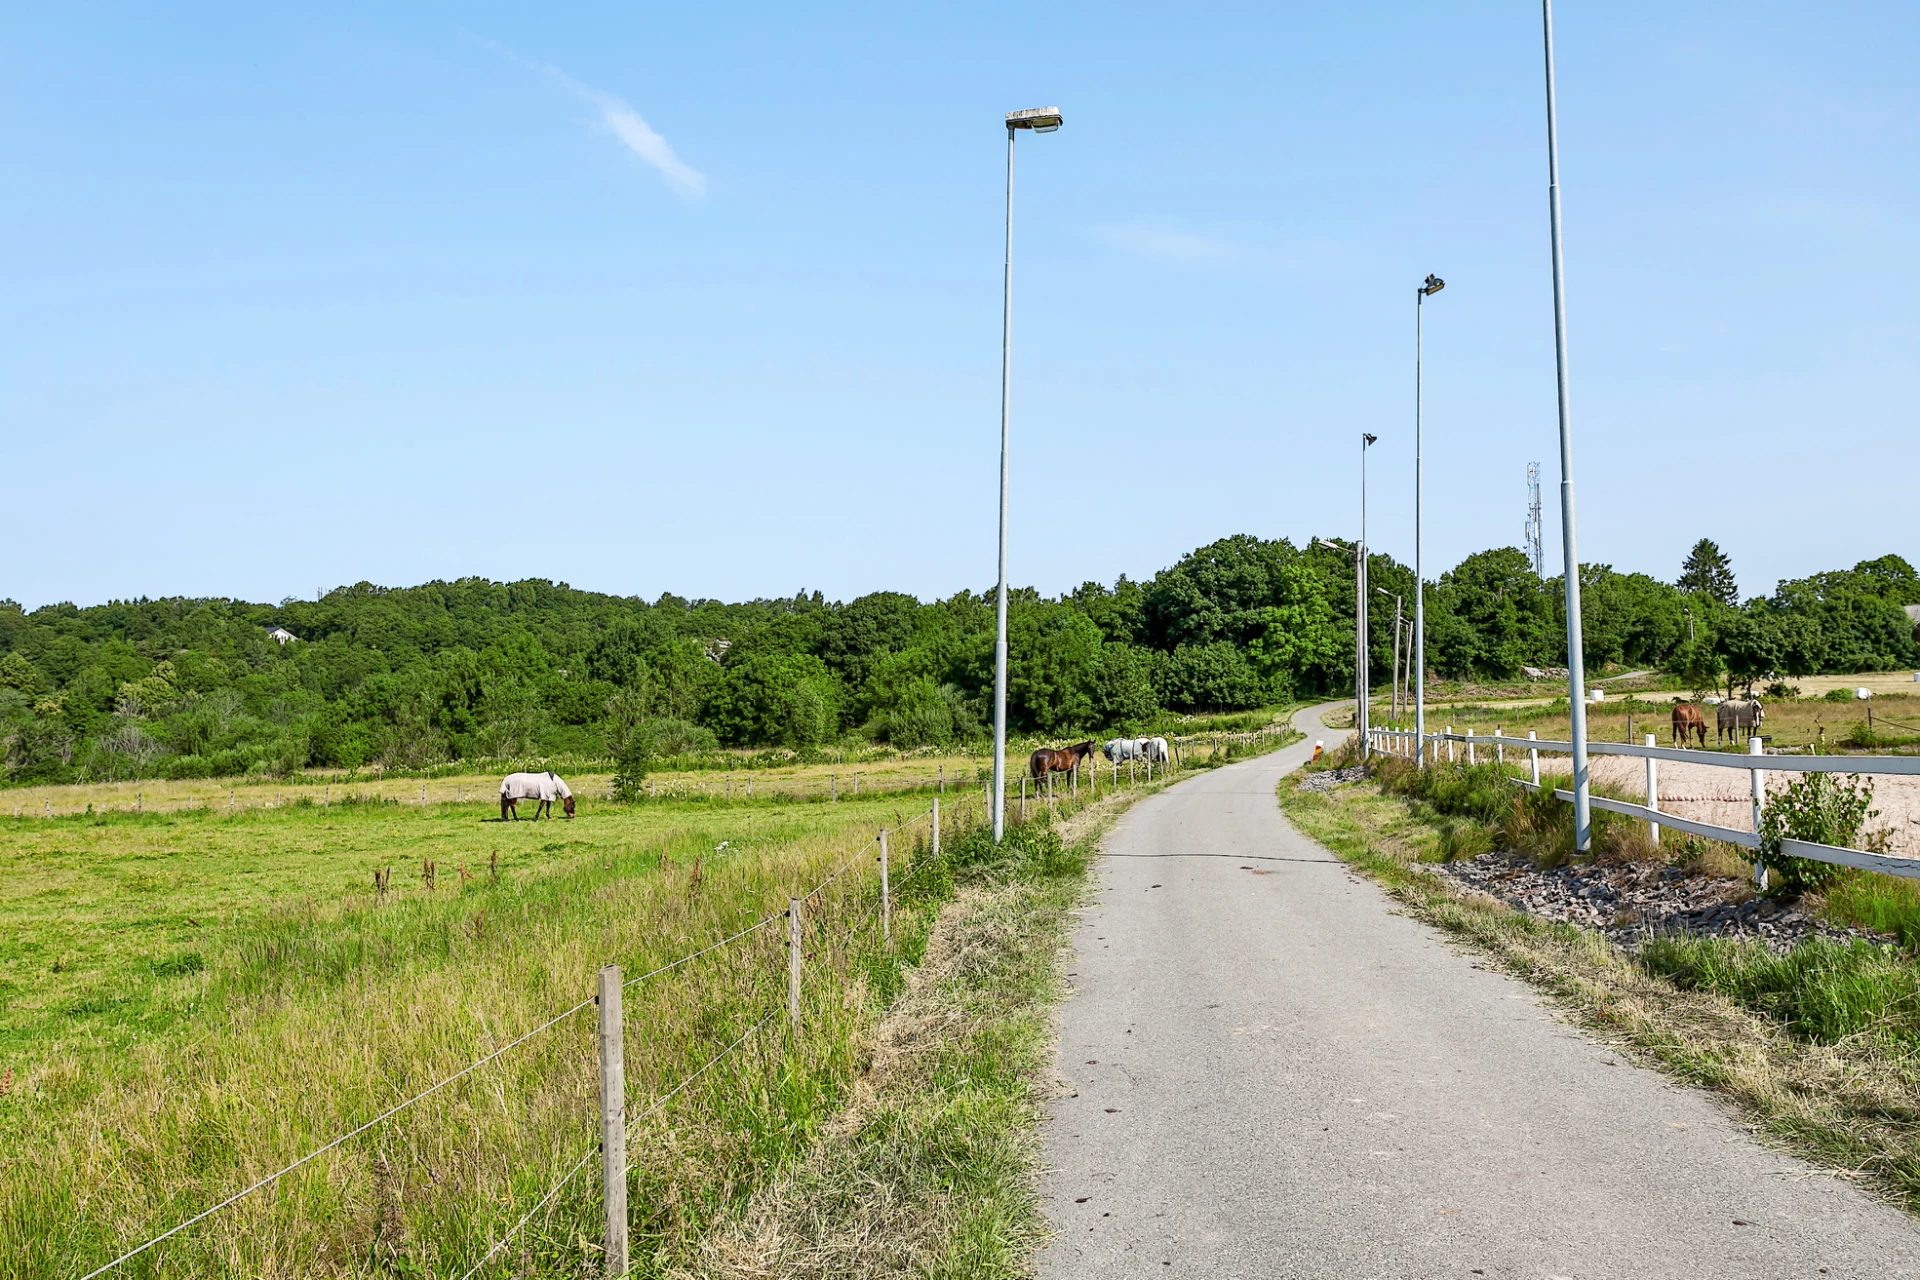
(194, 999)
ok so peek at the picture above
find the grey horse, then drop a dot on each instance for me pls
(1738, 716)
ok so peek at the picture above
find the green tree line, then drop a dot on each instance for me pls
(424, 676)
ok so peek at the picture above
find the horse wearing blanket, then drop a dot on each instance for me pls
(543, 787)
(1743, 718)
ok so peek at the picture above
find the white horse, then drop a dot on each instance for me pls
(544, 787)
(1155, 750)
(1122, 749)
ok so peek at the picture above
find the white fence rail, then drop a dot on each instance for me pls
(1755, 764)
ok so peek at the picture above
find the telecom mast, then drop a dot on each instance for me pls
(1536, 549)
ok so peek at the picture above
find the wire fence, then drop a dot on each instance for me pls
(966, 812)
(1757, 764)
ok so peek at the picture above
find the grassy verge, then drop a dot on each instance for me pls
(1849, 1102)
(933, 1169)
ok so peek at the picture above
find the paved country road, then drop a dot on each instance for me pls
(1279, 1076)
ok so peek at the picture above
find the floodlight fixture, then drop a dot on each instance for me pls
(1038, 119)
(1369, 438)
(1434, 284)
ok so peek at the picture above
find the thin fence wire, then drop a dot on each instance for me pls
(388, 1114)
(757, 925)
(594, 1150)
(320, 1151)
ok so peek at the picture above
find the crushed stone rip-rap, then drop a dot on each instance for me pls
(1631, 902)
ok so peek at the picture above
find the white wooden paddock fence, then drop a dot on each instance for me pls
(1756, 764)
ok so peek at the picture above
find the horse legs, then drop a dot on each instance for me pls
(507, 808)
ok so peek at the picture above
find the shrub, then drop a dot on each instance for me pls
(1837, 695)
(1823, 808)
(631, 765)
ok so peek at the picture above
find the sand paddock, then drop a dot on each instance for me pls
(1723, 796)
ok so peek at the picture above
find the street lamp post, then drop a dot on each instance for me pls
(1432, 285)
(1040, 120)
(1359, 621)
(1396, 652)
(1360, 603)
(1576, 648)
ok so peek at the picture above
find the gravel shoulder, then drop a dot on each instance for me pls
(1274, 1072)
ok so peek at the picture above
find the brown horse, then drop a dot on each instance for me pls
(1689, 719)
(1048, 760)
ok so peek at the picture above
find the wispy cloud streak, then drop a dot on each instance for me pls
(624, 124)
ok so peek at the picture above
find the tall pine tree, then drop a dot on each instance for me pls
(1709, 572)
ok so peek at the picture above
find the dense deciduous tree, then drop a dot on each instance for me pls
(472, 668)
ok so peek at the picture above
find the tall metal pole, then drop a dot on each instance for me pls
(1360, 596)
(1000, 633)
(1396, 660)
(1576, 673)
(1419, 654)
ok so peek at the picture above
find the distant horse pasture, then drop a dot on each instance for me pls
(1058, 760)
(542, 787)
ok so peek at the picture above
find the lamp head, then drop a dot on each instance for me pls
(1038, 119)
(1434, 284)
(1367, 438)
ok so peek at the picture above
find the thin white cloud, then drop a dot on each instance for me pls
(623, 123)
(1182, 247)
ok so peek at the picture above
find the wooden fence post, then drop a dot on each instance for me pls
(613, 1120)
(1755, 747)
(1653, 792)
(793, 961)
(886, 899)
(936, 826)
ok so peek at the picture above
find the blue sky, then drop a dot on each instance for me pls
(707, 299)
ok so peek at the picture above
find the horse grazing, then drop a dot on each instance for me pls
(1155, 750)
(1121, 749)
(1688, 720)
(1736, 716)
(543, 787)
(1063, 760)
